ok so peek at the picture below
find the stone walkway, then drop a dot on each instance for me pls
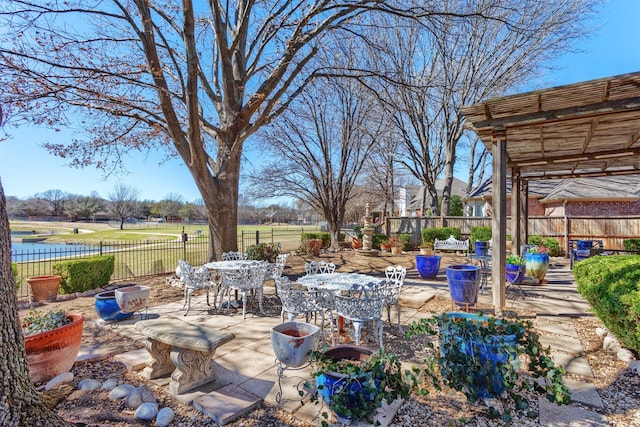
(246, 373)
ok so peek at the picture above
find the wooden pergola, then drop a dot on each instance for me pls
(586, 129)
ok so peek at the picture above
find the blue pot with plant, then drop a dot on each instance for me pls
(515, 268)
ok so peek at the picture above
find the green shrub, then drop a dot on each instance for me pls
(610, 285)
(14, 272)
(376, 239)
(405, 240)
(553, 245)
(631, 244)
(263, 252)
(325, 237)
(358, 230)
(481, 233)
(535, 240)
(429, 235)
(84, 274)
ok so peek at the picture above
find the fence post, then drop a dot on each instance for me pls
(100, 251)
(184, 249)
(257, 237)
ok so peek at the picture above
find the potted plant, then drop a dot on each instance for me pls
(480, 237)
(537, 262)
(515, 269)
(44, 288)
(52, 342)
(398, 243)
(385, 244)
(354, 381)
(480, 356)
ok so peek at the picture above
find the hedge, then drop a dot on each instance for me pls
(611, 286)
(429, 235)
(84, 274)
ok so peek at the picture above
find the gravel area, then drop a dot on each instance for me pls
(618, 386)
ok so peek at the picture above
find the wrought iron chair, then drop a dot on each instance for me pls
(395, 280)
(198, 278)
(244, 279)
(298, 299)
(363, 304)
(326, 267)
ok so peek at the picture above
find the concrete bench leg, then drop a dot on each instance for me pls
(193, 368)
(159, 363)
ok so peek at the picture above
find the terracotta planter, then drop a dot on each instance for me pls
(313, 246)
(53, 352)
(44, 288)
(396, 250)
(385, 247)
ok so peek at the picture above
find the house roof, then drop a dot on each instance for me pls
(613, 188)
(537, 189)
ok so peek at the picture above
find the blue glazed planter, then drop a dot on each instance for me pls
(585, 244)
(489, 351)
(464, 280)
(428, 266)
(481, 247)
(514, 273)
(330, 383)
(107, 307)
(537, 265)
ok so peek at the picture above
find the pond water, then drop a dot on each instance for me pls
(30, 251)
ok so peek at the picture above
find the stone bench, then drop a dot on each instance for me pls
(182, 348)
(451, 244)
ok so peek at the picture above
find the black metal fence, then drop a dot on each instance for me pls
(143, 257)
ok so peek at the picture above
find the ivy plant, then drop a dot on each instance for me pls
(480, 357)
(363, 385)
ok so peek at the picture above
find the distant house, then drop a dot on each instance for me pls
(601, 196)
(408, 199)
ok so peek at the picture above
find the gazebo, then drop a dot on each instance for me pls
(584, 129)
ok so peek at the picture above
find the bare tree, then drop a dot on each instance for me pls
(319, 146)
(56, 199)
(21, 403)
(170, 206)
(123, 203)
(453, 62)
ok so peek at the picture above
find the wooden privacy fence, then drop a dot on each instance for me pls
(612, 230)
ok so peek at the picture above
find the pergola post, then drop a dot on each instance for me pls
(516, 212)
(499, 219)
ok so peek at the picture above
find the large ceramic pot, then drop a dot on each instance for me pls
(53, 352)
(428, 265)
(44, 288)
(464, 281)
(132, 298)
(107, 307)
(537, 265)
(481, 248)
(456, 342)
(329, 382)
(514, 273)
(292, 341)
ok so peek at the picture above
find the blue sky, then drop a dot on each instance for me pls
(26, 168)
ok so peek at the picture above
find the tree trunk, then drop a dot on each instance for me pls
(21, 403)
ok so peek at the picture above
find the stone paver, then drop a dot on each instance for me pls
(584, 393)
(562, 343)
(134, 360)
(226, 404)
(552, 415)
(573, 364)
(547, 324)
